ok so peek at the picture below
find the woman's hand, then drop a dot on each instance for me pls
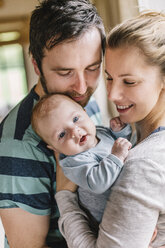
(62, 182)
(158, 247)
(153, 237)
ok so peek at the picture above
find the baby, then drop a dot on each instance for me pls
(91, 156)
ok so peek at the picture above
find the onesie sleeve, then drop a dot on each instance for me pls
(87, 171)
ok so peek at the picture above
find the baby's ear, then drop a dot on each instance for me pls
(51, 148)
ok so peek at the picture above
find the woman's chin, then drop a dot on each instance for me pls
(126, 119)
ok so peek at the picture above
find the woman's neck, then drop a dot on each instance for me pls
(144, 129)
(155, 119)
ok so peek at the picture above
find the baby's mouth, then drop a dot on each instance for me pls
(83, 139)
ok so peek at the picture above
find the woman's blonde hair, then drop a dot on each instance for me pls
(147, 32)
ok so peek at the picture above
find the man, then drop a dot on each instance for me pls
(67, 41)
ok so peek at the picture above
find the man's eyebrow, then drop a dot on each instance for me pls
(62, 69)
(95, 63)
(68, 69)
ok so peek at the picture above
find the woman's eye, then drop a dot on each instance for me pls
(61, 135)
(75, 119)
(129, 82)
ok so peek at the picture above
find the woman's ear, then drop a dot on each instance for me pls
(36, 69)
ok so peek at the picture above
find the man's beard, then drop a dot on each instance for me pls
(43, 83)
(72, 94)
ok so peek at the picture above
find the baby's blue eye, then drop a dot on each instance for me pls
(75, 119)
(61, 135)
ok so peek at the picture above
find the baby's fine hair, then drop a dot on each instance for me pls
(44, 108)
(146, 32)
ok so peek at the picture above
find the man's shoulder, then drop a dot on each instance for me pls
(31, 147)
(19, 118)
(93, 111)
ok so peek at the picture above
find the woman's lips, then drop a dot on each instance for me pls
(123, 108)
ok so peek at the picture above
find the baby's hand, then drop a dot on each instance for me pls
(116, 124)
(120, 148)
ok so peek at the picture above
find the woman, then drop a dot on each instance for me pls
(135, 68)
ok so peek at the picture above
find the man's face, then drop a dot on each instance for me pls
(73, 68)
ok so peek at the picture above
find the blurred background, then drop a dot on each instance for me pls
(16, 72)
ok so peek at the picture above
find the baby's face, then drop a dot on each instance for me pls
(69, 129)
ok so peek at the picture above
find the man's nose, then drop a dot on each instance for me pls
(80, 84)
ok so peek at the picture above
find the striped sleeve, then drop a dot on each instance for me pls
(28, 189)
(93, 111)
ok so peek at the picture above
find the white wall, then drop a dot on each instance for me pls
(158, 5)
(1, 235)
(32, 78)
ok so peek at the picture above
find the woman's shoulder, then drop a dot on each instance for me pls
(151, 149)
(154, 141)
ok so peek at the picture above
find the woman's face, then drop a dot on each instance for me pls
(133, 85)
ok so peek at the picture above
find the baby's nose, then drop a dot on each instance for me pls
(76, 132)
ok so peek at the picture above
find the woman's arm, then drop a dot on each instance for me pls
(131, 213)
(69, 213)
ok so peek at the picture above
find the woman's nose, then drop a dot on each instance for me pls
(114, 92)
